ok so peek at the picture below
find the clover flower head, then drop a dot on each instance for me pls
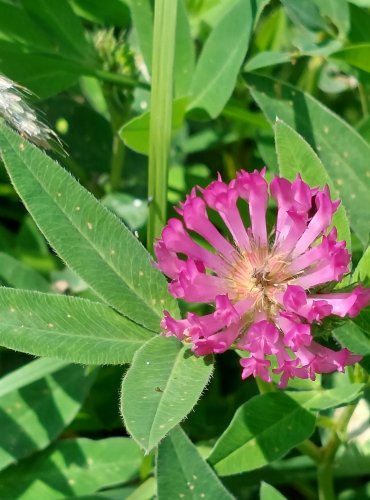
(264, 289)
(19, 115)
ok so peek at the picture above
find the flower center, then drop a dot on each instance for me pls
(259, 276)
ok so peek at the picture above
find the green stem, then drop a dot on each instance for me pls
(325, 470)
(117, 79)
(118, 155)
(309, 449)
(264, 387)
(363, 100)
(161, 114)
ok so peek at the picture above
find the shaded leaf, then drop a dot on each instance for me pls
(109, 12)
(37, 402)
(19, 275)
(72, 467)
(304, 13)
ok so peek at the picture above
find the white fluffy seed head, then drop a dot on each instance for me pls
(19, 115)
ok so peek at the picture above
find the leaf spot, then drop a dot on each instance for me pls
(30, 313)
(59, 195)
(141, 273)
(202, 495)
(368, 173)
(71, 482)
(340, 182)
(78, 209)
(12, 310)
(162, 426)
(50, 325)
(90, 226)
(195, 477)
(113, 252)
(69, 316)
(154, 302)
(147, 362)
(90, 461)
(326, 130)
(318, 147)
(353, 196)
(162, 301)
(345, 154)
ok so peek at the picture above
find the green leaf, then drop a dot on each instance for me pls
(184, 61)
(341, 149)
(133, 211)
(72, 467)
(296, 155)
(362, 271)
(267, 58)
(109, 12)
(263, 429)
(338, 12)
(57, 19)
(329, 398)
(18, 275)
(182, 472)
(304, 13)
(135, 133)
(37, 402)
(142, 20)
(67, 328)
(222, 55)
(89, 238)
(160, 388)
(355, 55)
(353, 337)
(16, 26)
(268, 492)
(43, 74)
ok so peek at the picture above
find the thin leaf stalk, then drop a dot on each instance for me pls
(325, 476)
(161, 114)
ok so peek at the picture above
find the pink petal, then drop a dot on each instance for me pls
(195, 216)
(256, 367)
(344, 304)
(321, 220)
(223, 198)
(254, 189)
